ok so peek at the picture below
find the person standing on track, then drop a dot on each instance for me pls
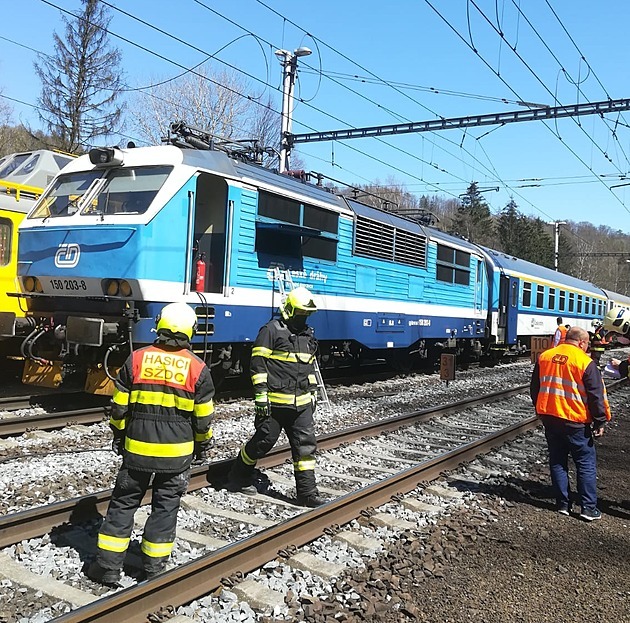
(161, 414)
(285, 386)
(570, 398)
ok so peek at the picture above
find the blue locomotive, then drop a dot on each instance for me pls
(121, 232)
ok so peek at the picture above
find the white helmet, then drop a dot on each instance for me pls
(617, 320)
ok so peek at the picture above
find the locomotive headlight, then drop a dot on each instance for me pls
(38, 286)
(112, 287)
(29, 284)
(125, 288)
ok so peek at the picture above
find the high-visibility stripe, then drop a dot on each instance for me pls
(261, 397)
(161, 399)
(562, 387)
(120, 398)
(145, 448)
(304, 465)
(156, 550)
(261, 351)
(203, 436)
(112, 543)
(281, 355)
(120, 424)
(312, 379)
(261, 377)
(276, 398)
(246, 458)
(204, 409)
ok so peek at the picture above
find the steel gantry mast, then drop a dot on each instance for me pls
(534, 114)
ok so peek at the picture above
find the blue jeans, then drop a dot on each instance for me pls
(564, 440)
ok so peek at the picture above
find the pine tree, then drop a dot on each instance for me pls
(474, 220)
(81, 81)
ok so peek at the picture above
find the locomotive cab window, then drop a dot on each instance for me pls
(453, 265)
(128, 191)
(286, 227)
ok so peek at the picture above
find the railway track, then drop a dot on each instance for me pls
(425, 443)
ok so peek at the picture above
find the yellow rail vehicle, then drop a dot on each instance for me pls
(23, 178)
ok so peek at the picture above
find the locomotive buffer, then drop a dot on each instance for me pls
(284, 279)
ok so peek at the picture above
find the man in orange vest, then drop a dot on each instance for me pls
(561, 332)
(570, 399)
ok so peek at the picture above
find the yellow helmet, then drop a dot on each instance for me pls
(618, 320)
(177, 318)
(299, 302)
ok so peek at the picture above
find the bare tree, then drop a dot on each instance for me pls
(215, 102)
(81, 81)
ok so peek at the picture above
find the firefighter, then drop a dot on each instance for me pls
(285, 387)
(598, 341)
(161, 414)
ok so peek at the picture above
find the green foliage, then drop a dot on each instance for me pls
(474, 220)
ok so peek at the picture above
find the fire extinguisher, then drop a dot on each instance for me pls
(200, 273)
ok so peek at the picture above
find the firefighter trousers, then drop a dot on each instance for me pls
(159, 531)
(299, 427)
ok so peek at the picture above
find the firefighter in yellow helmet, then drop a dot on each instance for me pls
(285, 386)
(161, 414)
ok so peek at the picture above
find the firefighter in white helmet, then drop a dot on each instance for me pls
(161, 414)
(285, 386)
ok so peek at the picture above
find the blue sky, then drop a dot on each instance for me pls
(380, 63)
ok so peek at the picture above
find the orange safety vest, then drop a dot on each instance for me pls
(561, 333)
(562, 393)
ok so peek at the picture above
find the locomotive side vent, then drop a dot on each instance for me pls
(384, 241)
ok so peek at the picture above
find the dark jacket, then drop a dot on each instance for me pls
(282, 365)
(162, 406)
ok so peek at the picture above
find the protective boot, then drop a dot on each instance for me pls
(241, 478)
(307, 493)
(108, 577)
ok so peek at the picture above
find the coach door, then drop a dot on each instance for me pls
(508, 309)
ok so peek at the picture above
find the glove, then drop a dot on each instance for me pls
(201, 453)
(261, 409)
(118, 444)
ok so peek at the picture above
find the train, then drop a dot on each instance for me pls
(23, 178)
(121, 232)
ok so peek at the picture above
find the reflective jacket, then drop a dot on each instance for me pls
(282, 365)
(598, 340)
(162, 405)
(560, 335)
(567, 384)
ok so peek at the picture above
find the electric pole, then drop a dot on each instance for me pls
(556, 226)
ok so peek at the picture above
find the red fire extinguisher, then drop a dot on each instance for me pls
(200, 273)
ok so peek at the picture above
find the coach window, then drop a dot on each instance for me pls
(571, 301)
(527, 294)
(453, 265)
(540, 296)
(552, 298)
(6, 230)
(563, 300)
(594, 307)
(600, 307)
(579, 304)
